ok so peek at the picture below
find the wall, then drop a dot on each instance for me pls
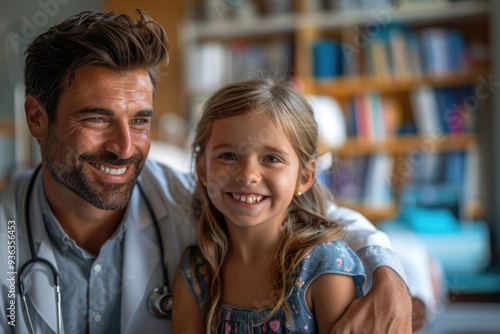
(20, 22)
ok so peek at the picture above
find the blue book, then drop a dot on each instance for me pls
(456, 50)
(327, 59)
(455, 168)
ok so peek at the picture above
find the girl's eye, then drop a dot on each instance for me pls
(228, 156)
(272, 158)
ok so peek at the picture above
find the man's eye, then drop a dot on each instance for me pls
(140, 121)
(95, 119)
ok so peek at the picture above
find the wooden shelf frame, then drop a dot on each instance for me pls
(404, 145)
(345, 87)
(291, 22)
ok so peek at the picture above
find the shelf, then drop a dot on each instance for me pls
(424, 14)
(348, 86)
(404, 145)
(374, 213)
(290, 22)
(377, 213)
(251, 27)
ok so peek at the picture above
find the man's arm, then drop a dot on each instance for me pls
(370, 244)
(385, 309)
(386, 306)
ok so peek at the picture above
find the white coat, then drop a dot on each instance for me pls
(169, 194)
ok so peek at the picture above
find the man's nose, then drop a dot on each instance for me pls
(119, 140)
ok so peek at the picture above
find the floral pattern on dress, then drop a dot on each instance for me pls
(330, 257)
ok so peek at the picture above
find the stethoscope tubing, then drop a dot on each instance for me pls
(55, 275)
(35, 259)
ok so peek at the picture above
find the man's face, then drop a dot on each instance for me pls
(101, 136)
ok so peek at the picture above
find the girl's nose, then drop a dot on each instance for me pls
(248, 172)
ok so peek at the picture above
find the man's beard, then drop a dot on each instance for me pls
(67, 169)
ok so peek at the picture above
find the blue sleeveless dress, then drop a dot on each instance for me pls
(331, 257)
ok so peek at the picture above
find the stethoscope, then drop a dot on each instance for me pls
(159, 301)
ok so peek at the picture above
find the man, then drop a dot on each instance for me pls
(89, 102)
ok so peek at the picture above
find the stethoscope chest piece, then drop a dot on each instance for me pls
(160, 302)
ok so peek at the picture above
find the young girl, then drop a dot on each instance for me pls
(269, 259)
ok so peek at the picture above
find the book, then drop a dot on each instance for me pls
(443, 50)
(425, 111)
(348, 178)
(207, 66)
(327, 59)
(472, 184)
(378, 187)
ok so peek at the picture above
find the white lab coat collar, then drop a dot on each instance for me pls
(141, 259)
(41, 297)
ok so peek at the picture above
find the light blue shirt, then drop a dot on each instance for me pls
(90, 286)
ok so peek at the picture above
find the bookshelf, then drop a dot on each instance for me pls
(346, 87)
(291, 36)
(375, 75)
(492, 142)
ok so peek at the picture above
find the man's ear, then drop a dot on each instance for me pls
(36, 117)
(307, 178)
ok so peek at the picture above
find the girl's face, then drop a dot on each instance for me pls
(251, 170)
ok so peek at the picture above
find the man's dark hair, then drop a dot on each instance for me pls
(117, 42)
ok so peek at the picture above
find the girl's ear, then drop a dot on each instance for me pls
(308, 176)
(201, 172)
(36, 117)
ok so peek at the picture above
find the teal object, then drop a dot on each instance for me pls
(424, 220)
(463, 251)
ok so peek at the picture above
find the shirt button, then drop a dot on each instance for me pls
(67, 245)
(97, 268)
(97, 317)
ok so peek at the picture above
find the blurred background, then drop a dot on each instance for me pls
(406, 92)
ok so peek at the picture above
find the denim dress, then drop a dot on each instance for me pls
(331, 257)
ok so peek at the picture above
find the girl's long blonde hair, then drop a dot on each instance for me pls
(307, 222)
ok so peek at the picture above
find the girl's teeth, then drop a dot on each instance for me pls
(248, 199)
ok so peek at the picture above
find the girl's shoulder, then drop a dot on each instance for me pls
(333, 257)
(193, 267)
(191, 258)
